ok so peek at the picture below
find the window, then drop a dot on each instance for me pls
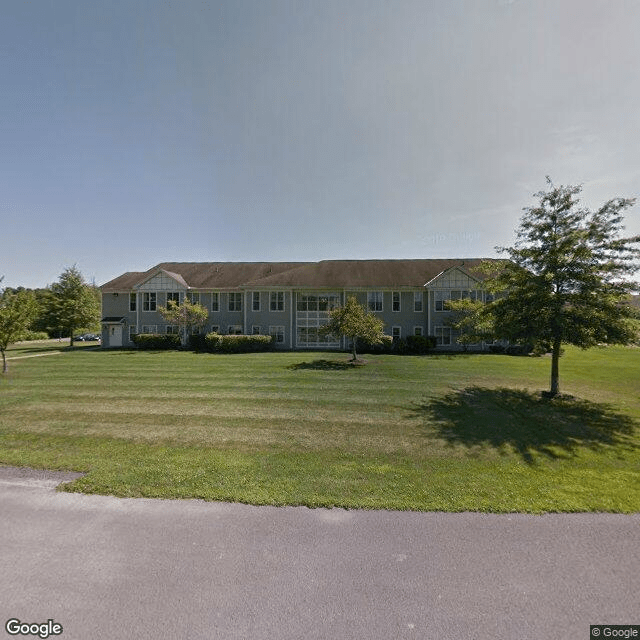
(442, 297)
(277, 301)
(395, 304)
(173, 296)
(417, 300)
(215, 328)
(149, 301)
(215, 301)
(172, 329)
(132, 302)
(443, 336)
(133, 330)
(193, 297)
(235, 329)
(255, 330)
(149, 328)
(255, 305)
(235, 302)
(278, 333)
(417, 331)
(374, 300)
(396, 333)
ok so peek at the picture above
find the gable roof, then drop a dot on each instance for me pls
(308, 275)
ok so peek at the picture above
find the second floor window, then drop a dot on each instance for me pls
(132, 301)
(215, 301)
(235, 302)
(277, 301)
(374, 300)
(417, 301)
(149, 301)
(395, 306)
(173, 296)
(255, 306)
(193, 297)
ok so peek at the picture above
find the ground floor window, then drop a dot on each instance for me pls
(396, 333)
(215, 328)
(172, 329)
(277, 333)
(235, 329)
(255, 330)
(149, 328)
(443, 336)
(133, 330)
(417, 331)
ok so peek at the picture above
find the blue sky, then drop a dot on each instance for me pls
(135, 132)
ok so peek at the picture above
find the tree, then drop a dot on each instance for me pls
(76, 304)
(354, 322)
(567, 279)
(17, 311)
(187, 315)
(470, 320)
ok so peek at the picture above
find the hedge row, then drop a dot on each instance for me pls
(157, 341)
(411, 345)
(217, 343)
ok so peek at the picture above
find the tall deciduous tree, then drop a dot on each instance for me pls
(354, 322)
(76, 304)
(17, 311)
(187, 316)
(568, 276)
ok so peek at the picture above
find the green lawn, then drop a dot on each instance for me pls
(449, 433)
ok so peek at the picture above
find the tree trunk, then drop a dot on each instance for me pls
(555, 369)
(5, 366)
(355, 355)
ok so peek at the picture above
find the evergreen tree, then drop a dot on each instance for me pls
(76, 304)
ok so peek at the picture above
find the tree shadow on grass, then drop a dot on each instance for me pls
(527, 422)
(326, 365)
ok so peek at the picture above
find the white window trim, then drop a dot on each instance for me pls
(274, 307)
(418, 297)
(278, 332)
(399, 309)
(253, 301)
(215, 297)
(237, 296)
(377, 294)
(146, 297)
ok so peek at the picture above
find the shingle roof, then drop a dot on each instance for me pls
(320, 275)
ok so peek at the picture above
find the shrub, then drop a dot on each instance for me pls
(198, 342)
(157, 341)
(386, 346)
(237, 343)
(420, 344)
(34, 335)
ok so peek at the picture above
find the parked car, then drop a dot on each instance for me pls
(87, 337)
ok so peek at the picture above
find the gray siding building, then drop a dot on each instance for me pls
(291, 300)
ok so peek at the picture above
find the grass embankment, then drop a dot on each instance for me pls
(451, 433)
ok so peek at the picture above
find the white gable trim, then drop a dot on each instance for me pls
(453, 278)
(162, 280)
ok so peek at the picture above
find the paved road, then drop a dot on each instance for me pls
(104, 567)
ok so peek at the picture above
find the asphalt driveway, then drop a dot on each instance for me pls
(105, 567)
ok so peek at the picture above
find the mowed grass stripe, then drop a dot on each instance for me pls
(467, 432)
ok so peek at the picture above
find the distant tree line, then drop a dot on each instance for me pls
(68, 306)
